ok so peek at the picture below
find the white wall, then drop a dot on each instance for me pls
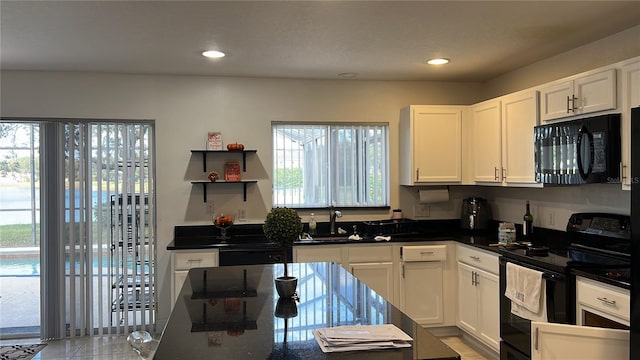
(185, 108)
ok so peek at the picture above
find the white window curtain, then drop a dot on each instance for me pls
(97, 227)
(318, 165)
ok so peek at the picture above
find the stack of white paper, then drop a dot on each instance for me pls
(361, 337)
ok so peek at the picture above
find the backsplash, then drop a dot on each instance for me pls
(551, 206)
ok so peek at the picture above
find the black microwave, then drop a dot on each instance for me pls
(579, 151)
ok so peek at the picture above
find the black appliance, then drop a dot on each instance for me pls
(475, 214)
(600, 246)
(634, 351)
(516, 331)
(578, 151)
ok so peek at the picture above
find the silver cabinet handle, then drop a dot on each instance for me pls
(426, 252)
(536, 339)
(568, 101)
(504, 173)
(622, 169)
(417, 174)
(495, 173)
(194, 261)
(477, 258)
(606, 301)
(574, 107)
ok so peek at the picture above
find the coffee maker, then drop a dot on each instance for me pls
(476, 214)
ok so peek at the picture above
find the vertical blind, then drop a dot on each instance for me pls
(98, 228)
(339, 164)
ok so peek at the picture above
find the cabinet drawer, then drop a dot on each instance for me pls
(603, 297)
(424, 253)
(370, 253)
(478, 258)
(185, 260)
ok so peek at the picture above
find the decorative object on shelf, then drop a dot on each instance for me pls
(232, 171)
(235, 147)
(213, 176)
(223, 222)
(214, 141)
(283, 226)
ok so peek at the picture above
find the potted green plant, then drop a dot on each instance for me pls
(283, 226)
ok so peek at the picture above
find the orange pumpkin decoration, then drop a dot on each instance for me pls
(235, 147)
(224, 220)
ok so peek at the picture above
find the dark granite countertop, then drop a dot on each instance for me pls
(234, 313)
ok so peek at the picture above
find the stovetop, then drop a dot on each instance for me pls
(555, 260)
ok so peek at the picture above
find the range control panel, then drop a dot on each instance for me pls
(603, 224)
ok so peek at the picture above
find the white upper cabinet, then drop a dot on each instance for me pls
(503, 140)
(630, 99)
(487, 125)
(519, 117)
(430, 145)
(581, 94)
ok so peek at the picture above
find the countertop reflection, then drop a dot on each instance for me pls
(234, 312)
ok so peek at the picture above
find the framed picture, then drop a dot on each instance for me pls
(214, 141)
(232, 171)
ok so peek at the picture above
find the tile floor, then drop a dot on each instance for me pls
(116, 347)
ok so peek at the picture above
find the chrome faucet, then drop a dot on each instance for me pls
(333, 214)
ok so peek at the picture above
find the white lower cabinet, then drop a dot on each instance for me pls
(422, 283)
(418, 278)
(319, 253)
(479, 295)
(377, 276)
(597, 304)
(559, 341)
(373, 265)
(183, 260)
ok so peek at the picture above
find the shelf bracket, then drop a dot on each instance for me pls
(244, 197)
(204, 163)
(204, 191)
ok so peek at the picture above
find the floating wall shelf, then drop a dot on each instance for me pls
(220, 182)
(205, 152)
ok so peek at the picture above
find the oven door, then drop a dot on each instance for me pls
(516, 331)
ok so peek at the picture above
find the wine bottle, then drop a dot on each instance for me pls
(527, 224)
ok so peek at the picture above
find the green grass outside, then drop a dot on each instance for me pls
(18, 235)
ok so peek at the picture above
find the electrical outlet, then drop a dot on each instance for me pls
(552, 218)
(421, 211)
(210, 207)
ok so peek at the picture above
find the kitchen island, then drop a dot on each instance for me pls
(234, 312)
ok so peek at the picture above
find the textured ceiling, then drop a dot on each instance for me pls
(383, 40)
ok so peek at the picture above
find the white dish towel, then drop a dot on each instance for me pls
(526, 292)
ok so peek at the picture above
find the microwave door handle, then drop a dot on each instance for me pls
(581, 134)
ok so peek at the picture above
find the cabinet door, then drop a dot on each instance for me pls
(377, 276)
(467, 299)
(421, 291)
(519, 116)
(555, 100)
(179, 277)
(487, 141)
(488, 286)
(559, 341)
(437, 144)
(317, 253)
(595, 92)
(630, 99)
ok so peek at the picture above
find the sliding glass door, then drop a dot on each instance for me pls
(95, 194)
(19, 229)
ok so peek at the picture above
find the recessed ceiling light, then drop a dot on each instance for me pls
(213, 54)
(348, 75)
(438, 61)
